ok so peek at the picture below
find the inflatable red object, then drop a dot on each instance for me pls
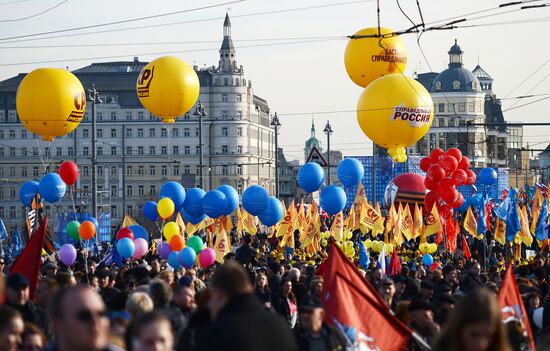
(406, 188)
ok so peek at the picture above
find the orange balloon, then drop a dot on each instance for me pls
(176, 243)
(86, 230)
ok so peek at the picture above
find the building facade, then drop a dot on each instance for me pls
(136, 152)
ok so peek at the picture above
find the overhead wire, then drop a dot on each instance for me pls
(34, 15)
(13, 2)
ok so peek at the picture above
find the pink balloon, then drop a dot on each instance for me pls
(141, 247)
(207, 257)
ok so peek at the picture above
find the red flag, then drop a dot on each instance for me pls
(488, 217)
(465, 248)
(29, 262)
(511, 303)
(439, 237)
(395, 264)
(355, 307)
(451, 229)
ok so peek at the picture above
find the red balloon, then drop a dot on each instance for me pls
(459, 201)
(459, 177)
(449, 164)
(446, 182)
(436, 155)
(429, 184)
(471, 177)
(68, 171)
(434, 266)
(425, 163)
(449, 194)
(445, 211)
(431, 198)
(436, 173)
(454, 152)
(125, 232)
(464, 163)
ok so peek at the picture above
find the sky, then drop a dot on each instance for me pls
(293, 50)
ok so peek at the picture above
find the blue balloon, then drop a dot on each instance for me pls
(139, 232)
(427, 260)
(273, 212)
(255, 199)
(232, 198)
(333, 199)
(192, 219)
(174, 191)
(125, 247)
(350, 172)
(95, 222)
(311, 177)
(476, 200)
(52, 188)
(187, 257)
(214, 203)
(193, 202)
(173, 260)
(464, 207)
(150, 211)
(27, 192)
(487, 176)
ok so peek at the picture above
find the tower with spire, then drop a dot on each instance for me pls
(312, 142)
(227, 63)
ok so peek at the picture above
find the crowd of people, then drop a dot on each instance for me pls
(257, 301)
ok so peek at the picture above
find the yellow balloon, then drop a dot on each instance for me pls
(165, 208)
(367, 59)
(349, 235)
(424, 247)
(324, 242)
(395, 111)
(368, 243)
(432, 248)
(171, 229)
(168, 87)
(50, 102)
(389, 248)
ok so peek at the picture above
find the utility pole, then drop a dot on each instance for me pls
(328, 131)
(94, 98)
(276, 124)
(200, 113)
(373, 172)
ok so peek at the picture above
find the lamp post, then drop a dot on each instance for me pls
(276, 124)
(200, 113)
(94, 98)
(328, 132)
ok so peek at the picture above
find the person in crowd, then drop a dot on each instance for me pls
(427, 288)
(240, 323)
(105, 287)
(151, 332)
(245, 254)
(46, 289)
(161, 294)
(2, 264)
(475, 325)
(449, 283)
(472, 280)
(183, 297)
(33, 338)
(316, 286)
(138, 303)
(298, 288)
(167, 277)
(49, 269)
(422, 320)
(64, 280)
(274, 278)
(262, 292)
(313, 333)
(387, 291)
(11, 329)
(285, 304)
(155, 267)
(18, 297)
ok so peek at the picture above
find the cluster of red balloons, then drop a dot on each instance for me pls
(444, 172)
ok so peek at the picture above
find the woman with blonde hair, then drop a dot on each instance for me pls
(475, 325)
(139, 303)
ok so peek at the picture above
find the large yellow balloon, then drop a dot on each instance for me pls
(367, 59)
(395, 111)
(166, 208)
(50, 102)
(168, 87)
(170, 229)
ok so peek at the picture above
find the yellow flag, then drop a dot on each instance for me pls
(417, 221)
(191, 228)
(371, 219)
(313, 226)
(337, 227)
(470, 224)
(181, 224)
(240, 222)
(524, 233)
(128, 221)
(249, 224)
(360, 196)
(407, 222)
(398, 228)
(500, 232)
(301, 221)
(433, 223)
(535, 209)
(390, 223)
(287, 223)
(221, 246)
(349, 221)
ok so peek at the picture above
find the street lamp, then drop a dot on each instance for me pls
(276, 124)
(200, 113)
(328, 132)
(93, 97)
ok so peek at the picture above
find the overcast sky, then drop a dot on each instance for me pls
(303, 79)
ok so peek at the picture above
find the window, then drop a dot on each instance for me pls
(151, 133)
(176, 170)
(140, 115)
(456, 85)
(224, 97)
(225, 170)
(129, 190)
(113, 171)
(100, 151)
(153, 190)
(164, 170)
(164, 150)
(140, 133)
(100, 171)
(47, 152)
(129, 170)
(438, 85)
(141, 190)
(13, 212)
(186, 150)
(152, 170)
(185, 132)
(23, 134)
(85, 171)
(141, 170)
(128, 150)
(113, 191)
(441, 107)
(474, 85)
(186, 169)
(24, 151)
(129, 132)
(239, 131)
(130, 210)
(12, 171)
(462, 107)
(452, 108)
(441, 122)
(186, 116)
(197, 149)
(471, 106)
(224, 149)
(196, 132)
(1, 134)
(113, 133)
(70, 151)
(176, 132)
(2, 207)
(113, 116)
(239, 169)
(151, 116)
(34, 151)
(85, 133)
(35, 171)
(12, 134)
(225, 114)
(140, 150)
(113, 150)
(151, 150)
(58, 151)
(2, 152)
(114, 211)
(99, 133)
(224, 131)
(239, 98)
(175, 150)
(23, 171)
(85, 151)
(129, 115)
(225, 81)
(12, 151)
(163, 133)
(239, 149)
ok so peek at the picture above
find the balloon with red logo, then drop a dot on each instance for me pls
(449, 164)
(435, 173)
(430, 184)
(425, 163)
(454, 152)
(446, 182)
(471, 177)
(446, 211)
(125, 232)
(68, 171)
(437, 155)
(458, 202)
(459, 177)
(449, 194)
(431, 198)
(464, 163)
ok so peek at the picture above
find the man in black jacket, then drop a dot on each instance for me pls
(18, 298)
(313, 334)
(240, 323)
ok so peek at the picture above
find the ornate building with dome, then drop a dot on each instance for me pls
(462, 97)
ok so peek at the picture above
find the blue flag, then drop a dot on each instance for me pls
(3, 231)
(481, 223)
(364, 259)
(117, 259)
(16, 245)
(541, 231)
(508, 212)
